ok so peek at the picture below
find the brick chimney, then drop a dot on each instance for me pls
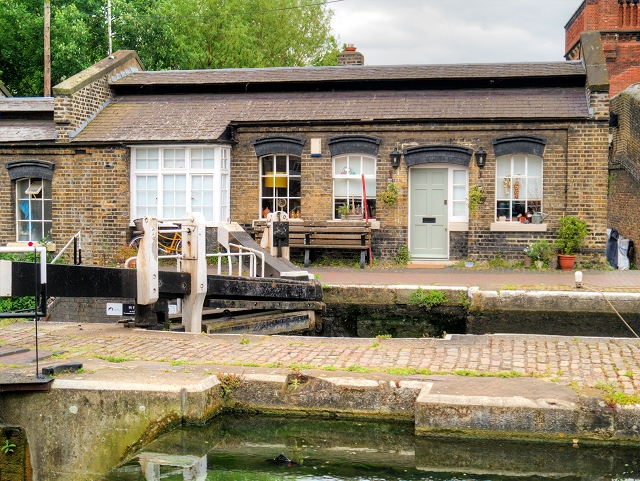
(350, 56)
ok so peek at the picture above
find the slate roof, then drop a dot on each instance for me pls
(204, 117)
(26, 119)
(352, 73)
(19, 130)
(26, 104)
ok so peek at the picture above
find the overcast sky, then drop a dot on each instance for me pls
(396, 32)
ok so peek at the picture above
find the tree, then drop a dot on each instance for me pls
(167, 34)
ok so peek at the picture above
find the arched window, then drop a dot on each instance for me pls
(33, 209)
(347, 183)
(518, 186)
(280, 179)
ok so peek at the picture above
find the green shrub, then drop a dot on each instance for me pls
(540, 250)
(403, 257)
(427, 299)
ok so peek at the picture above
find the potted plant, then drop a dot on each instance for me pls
(528, 255)
(354, 212)
(571, 237)
(343, 210)
(390, 196)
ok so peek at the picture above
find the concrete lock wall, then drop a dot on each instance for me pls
(366, 311)
(81, 429)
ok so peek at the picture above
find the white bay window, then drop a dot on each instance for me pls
(168, 182)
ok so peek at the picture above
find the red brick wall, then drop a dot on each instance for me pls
(620, 26)
(623, 60)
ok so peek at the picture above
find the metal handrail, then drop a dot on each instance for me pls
(77, 246)
(256, 252)
(240, 255)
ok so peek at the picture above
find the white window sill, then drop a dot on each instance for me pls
(458, 226)
(517, 227)
(375, 224)
(50, 245)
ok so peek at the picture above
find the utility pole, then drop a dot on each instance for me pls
(47, 48)
(109, 25)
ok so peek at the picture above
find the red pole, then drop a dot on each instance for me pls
(366, 214)
(364, 201)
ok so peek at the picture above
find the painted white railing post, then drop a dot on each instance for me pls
(147, 263)
(194, 261)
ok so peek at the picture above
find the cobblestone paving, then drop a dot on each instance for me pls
(585, 361)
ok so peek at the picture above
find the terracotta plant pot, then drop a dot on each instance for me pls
(566, 262)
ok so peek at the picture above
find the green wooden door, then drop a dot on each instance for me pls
(429, 237)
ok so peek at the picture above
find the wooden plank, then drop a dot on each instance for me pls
(89, 281)
(224, 287)
(345, 230)
(277, 304)
(323, 246)
(338, 236)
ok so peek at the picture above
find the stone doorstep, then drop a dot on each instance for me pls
(439, 264)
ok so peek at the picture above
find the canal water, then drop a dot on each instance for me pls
(266, 448)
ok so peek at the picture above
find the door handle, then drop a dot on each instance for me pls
(445, 202)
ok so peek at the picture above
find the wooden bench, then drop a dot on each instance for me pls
(308, 235)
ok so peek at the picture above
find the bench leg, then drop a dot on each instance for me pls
(363, 253)
(306, 257)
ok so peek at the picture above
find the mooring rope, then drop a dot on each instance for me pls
(596, 288)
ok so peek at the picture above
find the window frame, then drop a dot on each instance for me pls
(371, 198)
(221, 204)
(276, 175)
(501, 197)
(44, 187)
(452, 219)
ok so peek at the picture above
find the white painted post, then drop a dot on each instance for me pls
(5, 278)
(147, 263)
(194, 261)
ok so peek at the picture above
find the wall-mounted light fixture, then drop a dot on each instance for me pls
(395, 158)
(481, 158)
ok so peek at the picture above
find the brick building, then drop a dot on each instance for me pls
(614, 27)
(624, 166)
(119, 142)
(618, 25)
